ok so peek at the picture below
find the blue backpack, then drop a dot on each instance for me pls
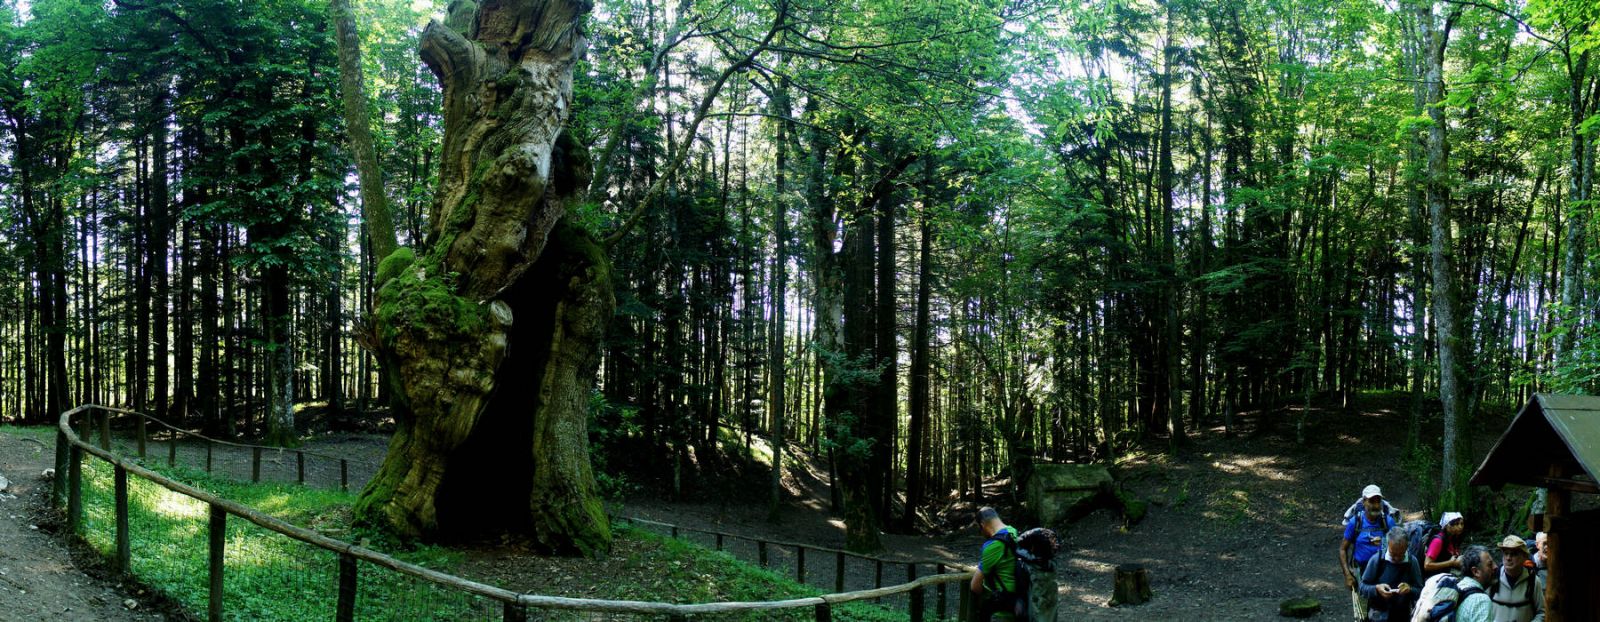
(1445, 610)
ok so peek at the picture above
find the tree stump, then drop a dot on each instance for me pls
(1132, 585)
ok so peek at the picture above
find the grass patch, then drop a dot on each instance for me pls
(271, 577)
(268, 576)
(43, 433)
(684, 572)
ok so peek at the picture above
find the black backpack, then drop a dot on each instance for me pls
(1038, 546)
(1420, 534)
(1445, 610)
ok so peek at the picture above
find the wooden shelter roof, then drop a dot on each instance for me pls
(1562, 430)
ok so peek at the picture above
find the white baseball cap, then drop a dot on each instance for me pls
(1371, 491)
(1449, 517)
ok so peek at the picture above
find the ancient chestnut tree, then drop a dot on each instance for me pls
(490, 338)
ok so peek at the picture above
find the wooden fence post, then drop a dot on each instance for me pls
(344, 475)
(963, 603)
(143, 436)
(824, 613)
(75, 490)
(58, 485)
(105, 430)
(255, 464)
(838, 572)
(124, 557)
(300, 467)
(719, 542)
(218, 535)
(208, 455)
(172, 449)
(761, 552)
(940, 609)
(800, 565)
(877, 574)
(674, 532)
(347, 588)
(916, 594)
(514, 612)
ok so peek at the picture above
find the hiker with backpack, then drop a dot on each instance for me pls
(1451, 598)
(1518, 596)
(1391, 579)
(1363, 538)
(995, 582)
(1444, 551)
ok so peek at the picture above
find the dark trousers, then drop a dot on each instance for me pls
(999, 602)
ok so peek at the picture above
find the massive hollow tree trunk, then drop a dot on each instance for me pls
(491, 340)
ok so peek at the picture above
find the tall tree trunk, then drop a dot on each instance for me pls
(1578, 189)
(160, 231)
(780, 279)
(1437, 189)
(919, 362)
(466, 459)
(852, 403)
(885, 417)
(1169, 348)
(374, 202)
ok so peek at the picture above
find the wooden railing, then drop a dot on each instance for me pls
(70, 450)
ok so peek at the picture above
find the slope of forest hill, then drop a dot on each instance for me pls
(1236, 526)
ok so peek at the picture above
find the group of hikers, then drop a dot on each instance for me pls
(1426, 572)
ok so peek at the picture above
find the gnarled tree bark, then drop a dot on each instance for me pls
(491, 337)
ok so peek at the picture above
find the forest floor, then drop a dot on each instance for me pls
(1236, 525)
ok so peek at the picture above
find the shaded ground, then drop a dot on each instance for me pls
(38, 580)
(1236, 525)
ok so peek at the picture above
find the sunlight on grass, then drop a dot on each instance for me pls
(271, 577)
(268, 576)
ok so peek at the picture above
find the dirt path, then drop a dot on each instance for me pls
(38, 580)
(1236, 526)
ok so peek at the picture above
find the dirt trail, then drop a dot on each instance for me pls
(38, 580)
(1236, 526)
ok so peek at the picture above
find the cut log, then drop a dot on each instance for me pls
(1132, 585)
(1303, 607)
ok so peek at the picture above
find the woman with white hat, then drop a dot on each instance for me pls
(1444, 552)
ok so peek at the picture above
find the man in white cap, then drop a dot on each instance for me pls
(1363, 538)
(1519, 596)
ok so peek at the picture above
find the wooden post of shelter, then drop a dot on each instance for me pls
(1557, 577)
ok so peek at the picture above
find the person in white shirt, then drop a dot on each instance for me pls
(1519, 595)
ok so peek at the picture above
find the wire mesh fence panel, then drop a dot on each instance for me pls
(270, 577)
(384, 595)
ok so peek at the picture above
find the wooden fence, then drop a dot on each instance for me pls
(70, 450)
